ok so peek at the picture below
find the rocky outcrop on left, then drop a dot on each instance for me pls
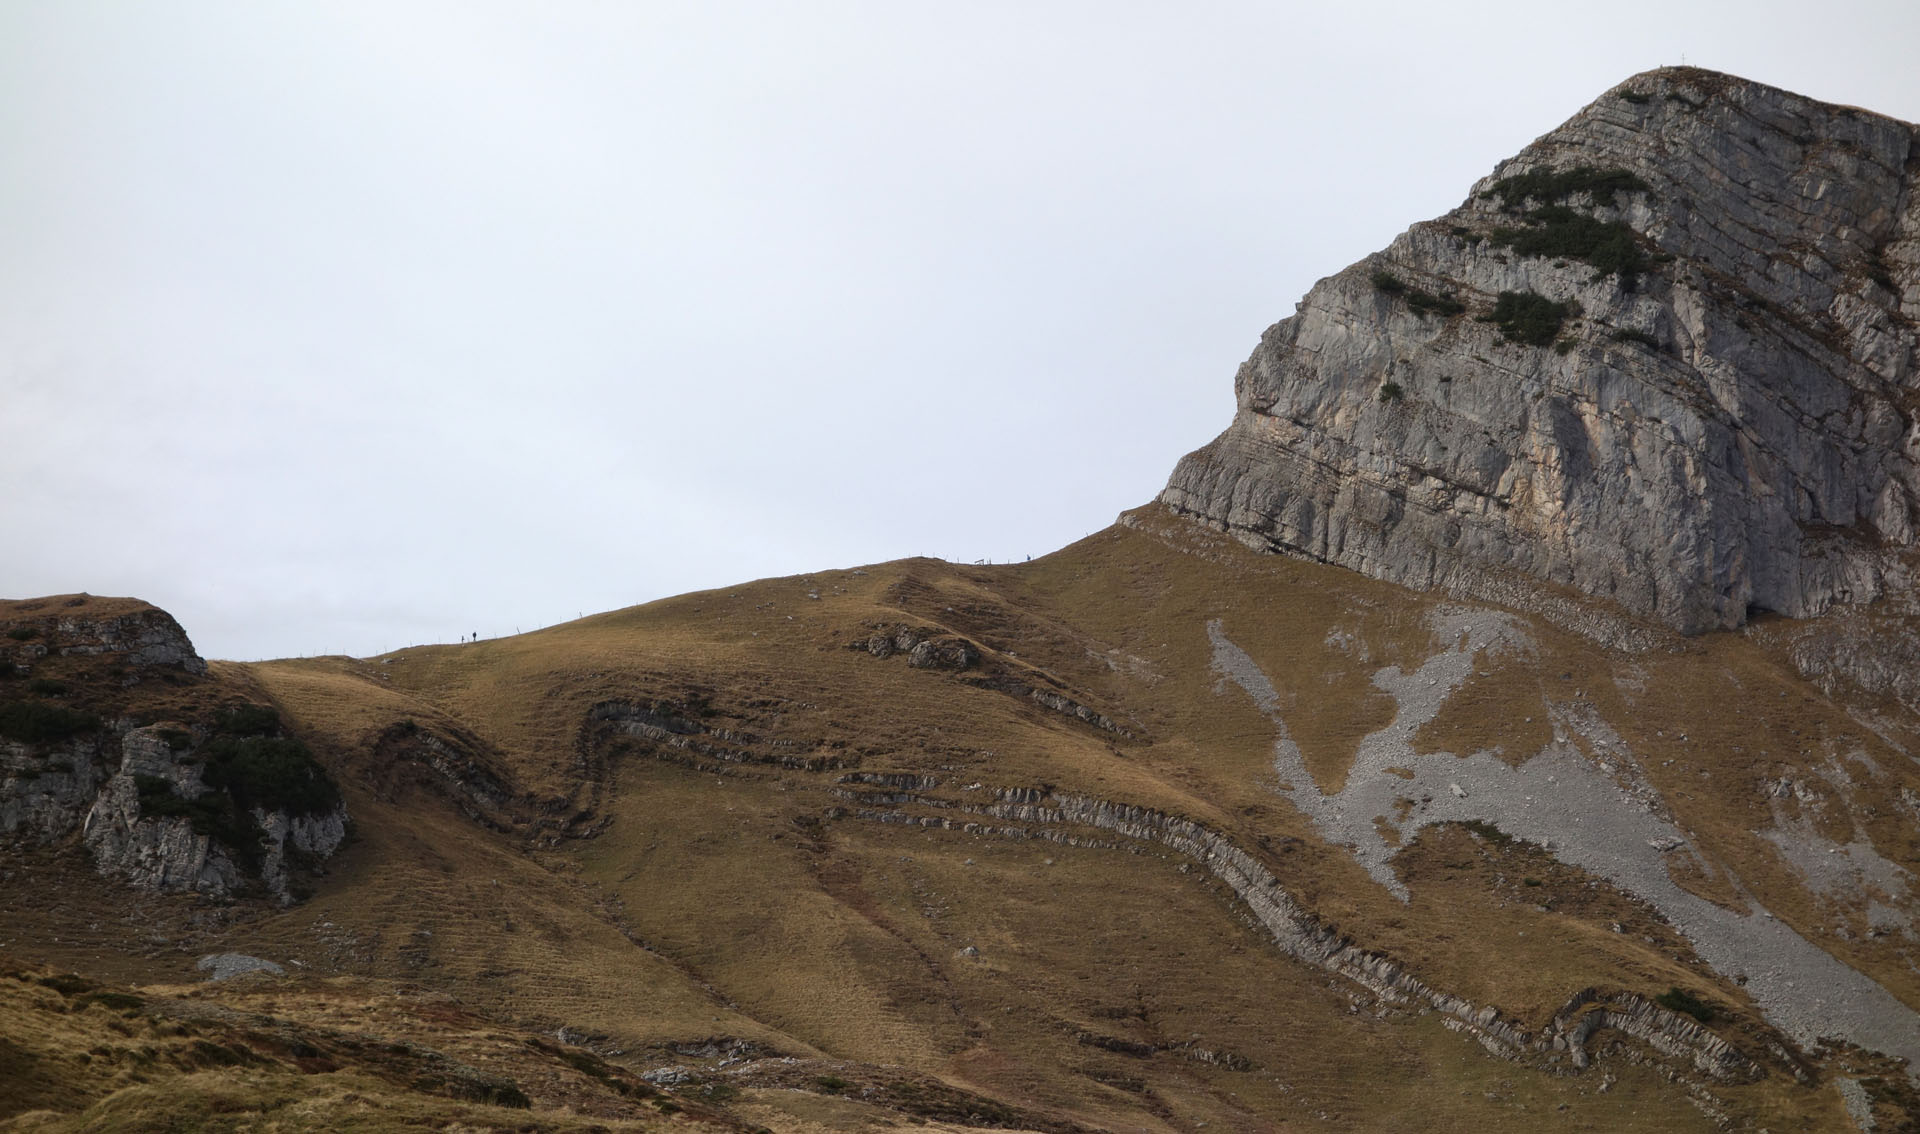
(161, 793)
(155, 851)
(212, 812)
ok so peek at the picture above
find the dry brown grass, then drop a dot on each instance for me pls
(74, 605)
(720, 900)
(289, 1053)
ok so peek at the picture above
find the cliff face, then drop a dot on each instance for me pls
(1665, 355)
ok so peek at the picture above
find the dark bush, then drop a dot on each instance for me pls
(1423, 303)
(211, 813)
(66, 984)
(1680, 1000)
(1529, 317)
(504, 1093)
(115, 1001)
(23, 633)
(1878, 273)
(1553, 186)
(1420, 302)
(1391, 392)
(1636, 98)
(247, 720)
(35, 722)
(1556, 230)
(831, 1084)
(177, 739)
(47, 686)
(1641, 337)
(275, 773)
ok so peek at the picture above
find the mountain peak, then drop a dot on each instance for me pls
(1665, 355)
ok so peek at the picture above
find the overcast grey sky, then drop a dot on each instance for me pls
(337, 327)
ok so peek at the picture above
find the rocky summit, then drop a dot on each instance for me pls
(1664, 356)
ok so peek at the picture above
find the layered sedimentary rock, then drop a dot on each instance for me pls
(80, 625)
(1665, 355)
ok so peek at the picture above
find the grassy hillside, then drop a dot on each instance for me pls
(728, 833)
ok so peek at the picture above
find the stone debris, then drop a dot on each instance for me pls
(1609, 825)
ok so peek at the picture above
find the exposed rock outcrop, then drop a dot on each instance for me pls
(1052, 815)
(219, 806)
(67, 625)
(45, 790)
(1665, 355)
(158, 825)
(155, 851)
(670, 736)
(925, 648)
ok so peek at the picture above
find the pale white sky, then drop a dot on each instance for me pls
(337, 327)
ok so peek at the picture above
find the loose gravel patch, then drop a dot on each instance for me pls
(1604, 818)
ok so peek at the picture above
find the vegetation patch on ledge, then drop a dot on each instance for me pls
(36, 722)
(1551, 187)
(1420, 302)
(1530, 318)
(1554, 228)
(1676, 999)
(245, 765)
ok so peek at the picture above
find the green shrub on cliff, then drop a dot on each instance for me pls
(245, 765)
(274, 773)
(1529, 317)
(1557, 230)
(1418, 301)
(1677, 999)
(1553, 228)
(36, 722)
(1549, 186)
(256, 767)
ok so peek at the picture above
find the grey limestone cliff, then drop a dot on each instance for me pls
(1665, 355)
